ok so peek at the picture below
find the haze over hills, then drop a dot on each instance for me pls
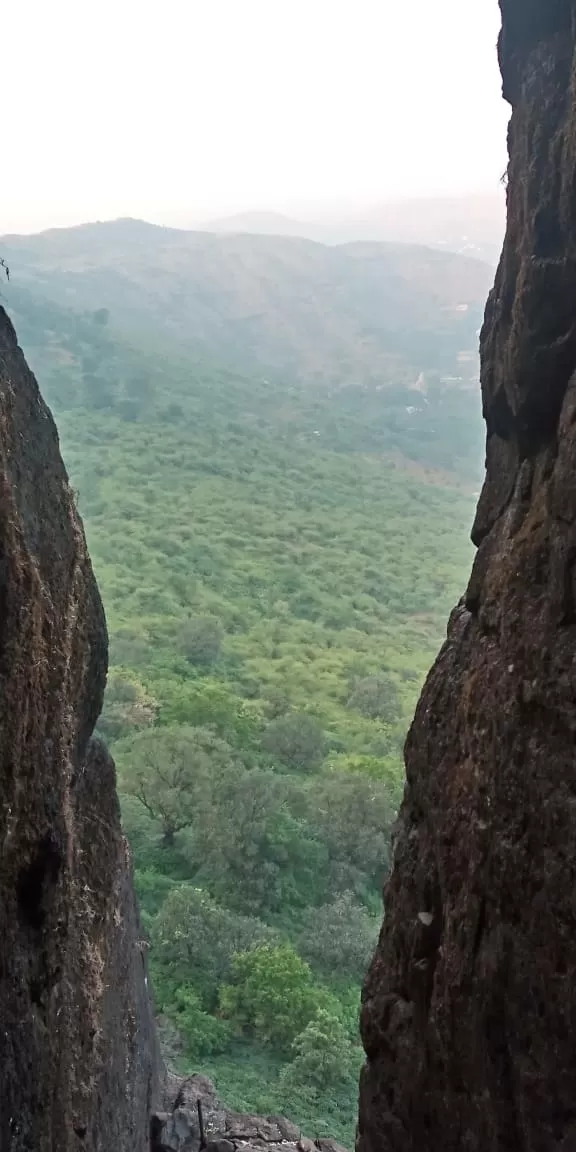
(471, 225)
(263, 223)
(360, 313)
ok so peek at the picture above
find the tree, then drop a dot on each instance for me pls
(233, 842)
(207, 703)
(169, 770)
(383, 767)
(299, 860)
(296, 739)
(325, 1060)
(353, 815)
(139, 387)
(339, 938)
(272, 994)
(201, 640)
(376, 698)
(194, 940)
(98, 391)
(173, 413)
(275, 703)
(203, 1034)
(248, 849)
(127, 706)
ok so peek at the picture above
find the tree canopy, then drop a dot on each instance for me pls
(274, 598)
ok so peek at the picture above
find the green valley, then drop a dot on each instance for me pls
(279, 533)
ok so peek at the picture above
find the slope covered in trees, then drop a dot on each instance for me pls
(361, 314)
(276, 561)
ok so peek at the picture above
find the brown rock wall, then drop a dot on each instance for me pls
(469, 1009)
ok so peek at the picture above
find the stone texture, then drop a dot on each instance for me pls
(469, 1009)
(177, 1128)
(76, 1037)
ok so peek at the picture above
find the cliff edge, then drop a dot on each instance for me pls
(469, 1009)
(76, 1035)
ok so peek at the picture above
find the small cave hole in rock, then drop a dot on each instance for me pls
(156, 1144)
(34, 881)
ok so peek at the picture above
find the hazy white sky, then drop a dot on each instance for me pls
(192, 108)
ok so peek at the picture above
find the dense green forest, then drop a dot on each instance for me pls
(277, 563)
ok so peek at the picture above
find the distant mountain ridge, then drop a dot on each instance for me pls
(269, 224)
(472, 225)
(366, 313)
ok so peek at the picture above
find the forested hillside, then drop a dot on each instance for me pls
(358, 314)
(277, 558)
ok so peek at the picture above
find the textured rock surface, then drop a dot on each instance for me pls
(76, 1038)
(469, 1013)
(177, 1129)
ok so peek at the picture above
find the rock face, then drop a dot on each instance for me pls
(76, 1037)
(469, 1010)
(178, 1129)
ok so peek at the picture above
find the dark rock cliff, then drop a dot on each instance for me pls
(76, 1036)
(469, 1010)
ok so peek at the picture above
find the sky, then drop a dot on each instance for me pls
(188, 109)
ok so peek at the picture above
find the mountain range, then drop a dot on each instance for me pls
(360, 313)
(468, 225)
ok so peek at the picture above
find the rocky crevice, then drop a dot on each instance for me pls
(469, 1009)
(177, 1128)
(77, 1049)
